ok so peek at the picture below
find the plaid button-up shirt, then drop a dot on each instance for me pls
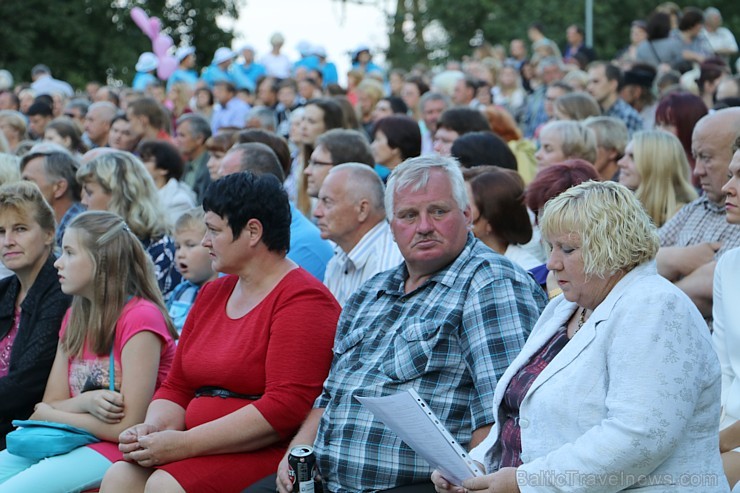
(450, 339)
(631, 118)
(700, 221)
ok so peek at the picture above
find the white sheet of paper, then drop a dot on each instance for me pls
(416, 424)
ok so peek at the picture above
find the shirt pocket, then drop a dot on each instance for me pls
(411, 354)
(349, 341)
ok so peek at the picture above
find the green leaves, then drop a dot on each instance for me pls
(83, 40)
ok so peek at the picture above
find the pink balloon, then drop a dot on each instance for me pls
(140, 19)
(154, 28)
(161, 45)
(167, 65)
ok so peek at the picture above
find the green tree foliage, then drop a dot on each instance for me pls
(499, 22)
(407, 47)
(83, 40)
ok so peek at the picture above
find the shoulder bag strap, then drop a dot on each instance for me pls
(112, 360)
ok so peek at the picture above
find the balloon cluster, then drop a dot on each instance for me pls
(161, 43)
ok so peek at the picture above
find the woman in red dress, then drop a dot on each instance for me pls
(253, 355)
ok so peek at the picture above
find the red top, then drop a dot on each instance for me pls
(281, 350)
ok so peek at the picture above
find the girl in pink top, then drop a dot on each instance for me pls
(118, 313)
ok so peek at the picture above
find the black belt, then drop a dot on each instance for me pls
(224, 393)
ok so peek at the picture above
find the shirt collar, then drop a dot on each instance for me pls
(711, 206)
(445, 276)
(360, 253)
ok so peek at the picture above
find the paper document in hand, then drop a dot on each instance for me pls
(416, 424)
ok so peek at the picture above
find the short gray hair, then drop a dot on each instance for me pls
(266, 117)
(434, 96)
(712, 11)
(364, 181)
(259, 159)
(109, 110)
(199, 126)
(550, 61)
(611, 133)
(414, 174)
(346, 146)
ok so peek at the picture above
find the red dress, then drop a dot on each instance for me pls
(281, 350)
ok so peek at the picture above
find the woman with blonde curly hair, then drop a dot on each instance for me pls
(621, 358)
(655, 167)
(118, 182)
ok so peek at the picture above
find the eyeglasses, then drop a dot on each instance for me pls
(313, 162)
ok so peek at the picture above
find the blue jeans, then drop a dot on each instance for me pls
(78, 470)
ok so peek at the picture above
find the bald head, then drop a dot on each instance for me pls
(711, 145)
(350, 204)
(98, 121)
(361, 182)
(255, 157)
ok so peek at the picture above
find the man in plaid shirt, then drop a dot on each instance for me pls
(694, 239)
(447, 322)
(604, 82)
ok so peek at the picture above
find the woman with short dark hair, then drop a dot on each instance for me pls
(164, 162)
(395, 139)
(249, 364)
(660, 49)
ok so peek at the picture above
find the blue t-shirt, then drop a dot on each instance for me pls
(141, 80)
(180, 302)
(307, 248)
(189, 77)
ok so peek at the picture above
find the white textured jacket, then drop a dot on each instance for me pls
(632, 401)
(726, 337)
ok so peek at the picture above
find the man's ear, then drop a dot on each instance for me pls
(60, 188)
(363, 210)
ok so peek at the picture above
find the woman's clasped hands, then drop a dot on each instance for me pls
(502, 481)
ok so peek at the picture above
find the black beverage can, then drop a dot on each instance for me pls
(302, 468)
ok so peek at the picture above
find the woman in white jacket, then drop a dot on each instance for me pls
(617, 387)
(726, 336)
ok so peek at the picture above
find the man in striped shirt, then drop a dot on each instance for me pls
(351, 213)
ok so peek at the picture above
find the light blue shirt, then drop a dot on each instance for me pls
(251, 72)
(141, 80)
(189, 77)
(233, 114)
(213, 74)
(307, 248)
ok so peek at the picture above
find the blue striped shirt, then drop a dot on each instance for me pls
(450, 339)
